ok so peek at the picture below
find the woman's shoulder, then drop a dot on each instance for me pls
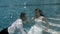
(42, 17)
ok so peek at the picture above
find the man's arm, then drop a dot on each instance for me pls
(11, 29)
(21, 29)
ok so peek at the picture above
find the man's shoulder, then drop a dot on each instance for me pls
(19, 20)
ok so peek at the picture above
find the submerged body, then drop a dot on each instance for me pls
(38, 27)
(16, 27)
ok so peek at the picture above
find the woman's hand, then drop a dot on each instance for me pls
(46, 29)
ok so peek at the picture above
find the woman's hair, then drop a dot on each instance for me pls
(22, 15)
(40, 11)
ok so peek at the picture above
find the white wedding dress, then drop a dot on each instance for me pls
(38, 27)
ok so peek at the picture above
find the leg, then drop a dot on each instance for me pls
(4, 31)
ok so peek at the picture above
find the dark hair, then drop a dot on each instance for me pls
(22, 14)
(40, 11)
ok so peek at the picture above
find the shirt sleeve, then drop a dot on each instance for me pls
(16, 25)
(11, 29)
(20, 27)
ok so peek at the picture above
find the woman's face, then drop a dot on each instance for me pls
(37, 13)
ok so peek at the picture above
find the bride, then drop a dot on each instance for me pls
(38, 27)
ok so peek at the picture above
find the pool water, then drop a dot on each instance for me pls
(11, 9)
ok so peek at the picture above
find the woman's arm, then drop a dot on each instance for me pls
(29, 21)
(46, 21)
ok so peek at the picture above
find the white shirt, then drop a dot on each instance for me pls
(17, 26)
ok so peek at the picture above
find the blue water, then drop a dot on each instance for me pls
(11, 9)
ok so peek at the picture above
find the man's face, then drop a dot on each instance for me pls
(24, 17)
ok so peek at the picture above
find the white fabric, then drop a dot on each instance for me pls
(16, 26)
(37, 28)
